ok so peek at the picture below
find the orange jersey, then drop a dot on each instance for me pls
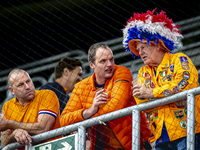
(175, 73)
(44, 102)
(119, 96)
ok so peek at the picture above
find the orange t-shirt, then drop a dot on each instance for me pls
(44, 102)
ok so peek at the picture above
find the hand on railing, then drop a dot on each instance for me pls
(74, 132)
(22, 137)
(181, 103)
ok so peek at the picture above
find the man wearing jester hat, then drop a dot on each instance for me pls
(153, 38)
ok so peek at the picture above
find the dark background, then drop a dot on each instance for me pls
(33, 30)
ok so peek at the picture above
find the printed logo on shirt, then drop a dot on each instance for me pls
(179, 114)
(176, 89)
(184, 62)
(163, 73)
(152, 84)
(146, 74)
(183, 84)
(155, 113)
(169, 78)
(151, 117)
(186, 75)
(172, 67)
(167, 92)
(183, 124)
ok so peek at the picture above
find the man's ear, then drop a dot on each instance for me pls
(65, 71)
(11, 90)
(92, 65)
(160, 47)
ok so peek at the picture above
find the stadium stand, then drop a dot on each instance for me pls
(38, 70)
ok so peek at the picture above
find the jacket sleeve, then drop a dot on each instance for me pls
(120, 93)
(185, 77)
(73, 110)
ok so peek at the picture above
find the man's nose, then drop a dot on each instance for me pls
(109, 63)
(26, 85)
(140, 51)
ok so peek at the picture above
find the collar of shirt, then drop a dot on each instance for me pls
(65, 89)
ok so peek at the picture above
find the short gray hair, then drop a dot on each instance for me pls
(14, 71)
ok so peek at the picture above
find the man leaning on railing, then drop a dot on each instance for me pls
(31, 112)
(107, 90)
(153, 38)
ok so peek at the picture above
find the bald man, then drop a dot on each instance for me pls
(30, 112)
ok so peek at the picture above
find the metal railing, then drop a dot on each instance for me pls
(135, 111)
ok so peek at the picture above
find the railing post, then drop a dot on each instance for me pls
(28, 147)
(136, 129)
(81, 138)
(190, 121)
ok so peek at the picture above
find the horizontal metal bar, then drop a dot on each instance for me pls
(187, 21)
(108, 117)
(190, 26)
(113, 41)
(191, 34)
(46, 60)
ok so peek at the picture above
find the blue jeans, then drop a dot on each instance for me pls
(180, 144)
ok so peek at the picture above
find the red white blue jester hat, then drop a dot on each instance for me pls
(146, 27)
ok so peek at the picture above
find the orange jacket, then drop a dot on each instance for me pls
(175, 73)
(119, 96)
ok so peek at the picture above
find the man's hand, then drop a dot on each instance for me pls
(100, 98)
(74, 132)
(140, 91)
(22, 137)
(181, 103)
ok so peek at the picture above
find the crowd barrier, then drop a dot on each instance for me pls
(135, 111)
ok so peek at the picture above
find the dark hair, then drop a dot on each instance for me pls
(93, 49)
(66, 62)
